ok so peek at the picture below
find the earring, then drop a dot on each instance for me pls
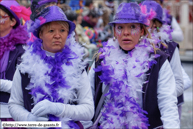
(114, 38)
(140, 38)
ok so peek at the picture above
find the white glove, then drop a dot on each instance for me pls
(46, 107)
(5, 85)
(32, 117)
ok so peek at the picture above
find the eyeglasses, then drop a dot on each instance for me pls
(5, 16)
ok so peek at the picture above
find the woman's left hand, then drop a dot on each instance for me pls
(46, 107)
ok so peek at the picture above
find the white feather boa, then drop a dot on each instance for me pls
(37, 69)
(164, 34)
(134, 65)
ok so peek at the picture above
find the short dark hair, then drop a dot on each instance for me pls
(9, 14)
(93, 13)
(71, 15)
(88, 2)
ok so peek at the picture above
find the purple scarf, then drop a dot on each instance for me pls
(16, 36)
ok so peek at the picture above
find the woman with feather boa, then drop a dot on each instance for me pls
(141, 91)
(163, 33)
(51, 83)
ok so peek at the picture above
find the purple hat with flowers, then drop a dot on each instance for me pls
(155, 7)
(130, 13)
(8, 5)
(50, 14)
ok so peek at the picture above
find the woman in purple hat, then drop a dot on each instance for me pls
(163, 33)
(133, 84)
(51, 82)
(12, 37)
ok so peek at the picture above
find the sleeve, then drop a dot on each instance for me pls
(91, 75)
(186, 79)
(176, 69)
(167, 99)
(177, 34)
(16, 106)
(5, 85)
(84, 111)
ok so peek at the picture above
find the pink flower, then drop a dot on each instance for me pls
(143, 9)
(152, 14)
(42, 20)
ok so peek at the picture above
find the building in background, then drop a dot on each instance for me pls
(182, 10)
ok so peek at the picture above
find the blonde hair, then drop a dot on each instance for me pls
(47, 25)
(146, 33)
(159, 25)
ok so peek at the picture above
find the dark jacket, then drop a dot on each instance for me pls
(14, 59)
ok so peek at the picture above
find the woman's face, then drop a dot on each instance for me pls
(6, 24)
(128, 34)
(79, 19)
(54, 37)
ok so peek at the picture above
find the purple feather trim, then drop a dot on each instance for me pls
(73, 125)
(18, 35)
(56, 73)
(117, 109)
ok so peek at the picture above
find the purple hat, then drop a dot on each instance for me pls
(50, 14)
(7, 4)
(129, 13)
(155, 7)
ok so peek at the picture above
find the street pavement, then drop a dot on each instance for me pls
(187, 108)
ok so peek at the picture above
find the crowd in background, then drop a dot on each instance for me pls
(88, 25)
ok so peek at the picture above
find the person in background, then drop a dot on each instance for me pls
(89, 24)
(51, 83)
(163, 32)
(38, 5)
(64, 7)
(61, 2)
(91, 19)
(134, 77)
(12, 38)
(110, 4)
(72, 16)
(177, 34)
(88, 6)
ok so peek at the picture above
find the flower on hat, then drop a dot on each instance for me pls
(146, 17)
(42, 20)
(21, 12)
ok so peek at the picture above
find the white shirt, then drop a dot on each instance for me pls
(83, 111)
(176, 69)
(166, 95)
(177, 34)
